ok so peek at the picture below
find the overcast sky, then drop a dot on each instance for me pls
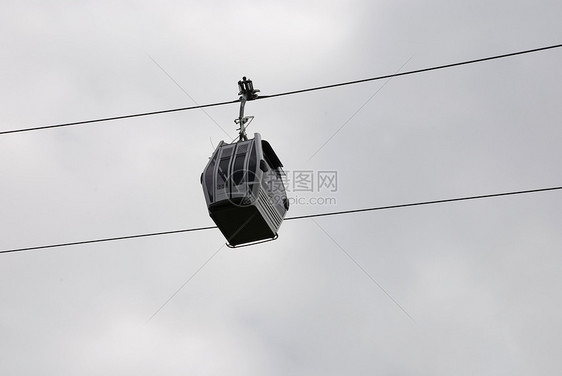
(466, 288)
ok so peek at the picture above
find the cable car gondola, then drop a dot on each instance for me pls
(243, 185)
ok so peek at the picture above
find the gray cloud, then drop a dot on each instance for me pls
(480, 278)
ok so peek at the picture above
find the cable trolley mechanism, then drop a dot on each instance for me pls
(243, 184)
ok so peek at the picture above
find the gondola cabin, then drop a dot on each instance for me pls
(243, 187)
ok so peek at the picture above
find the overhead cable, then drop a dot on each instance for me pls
(121, 117)
(353, 211)
(423, 70)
